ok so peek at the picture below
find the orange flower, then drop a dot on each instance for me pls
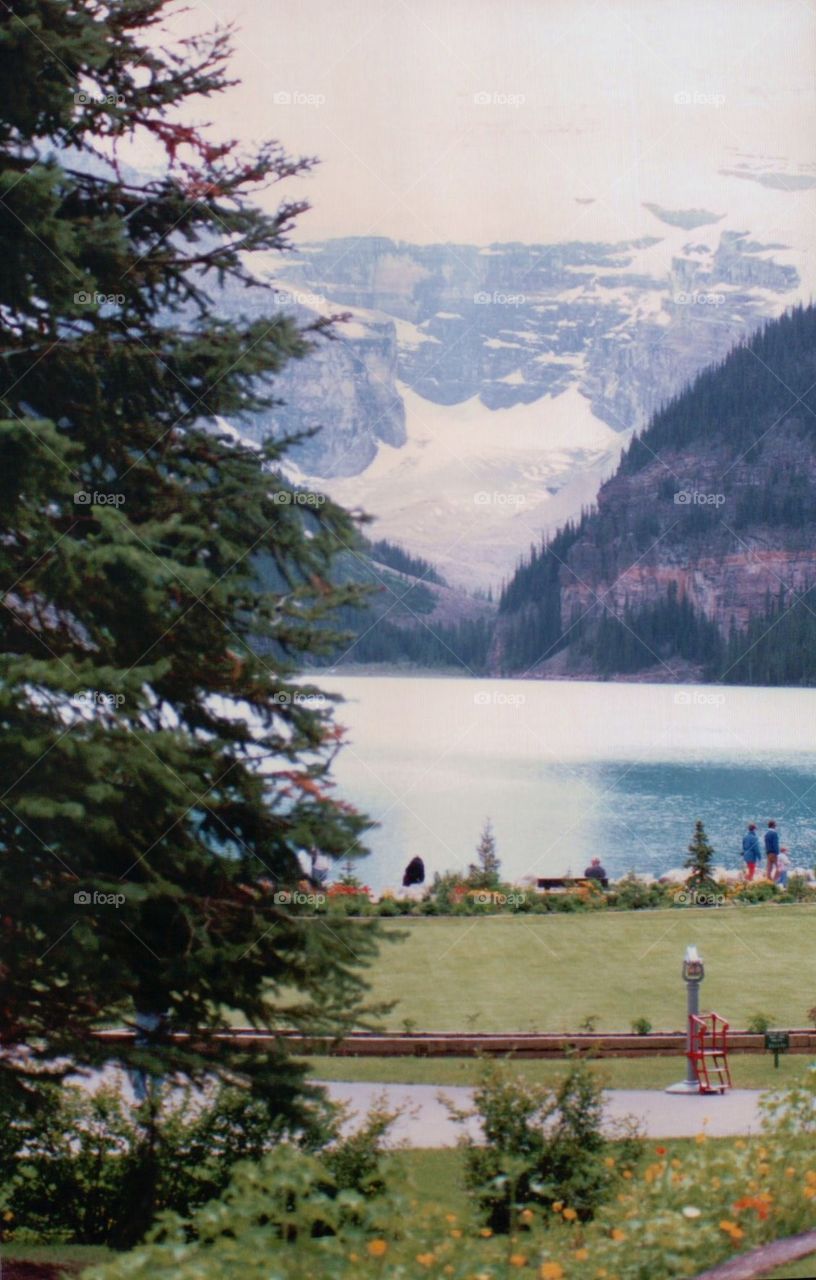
(486, 1232)
(757, 1203)
(426, 1259)
(661, 1151)
(378, 1248)
(617, 1235)
(518, 1260)
(526, 1215)
(550, 1271)
(731, 1229)
(456, 1232)
(569, 1215)
(581, 1255)
(609, 1161)
(450, 1217)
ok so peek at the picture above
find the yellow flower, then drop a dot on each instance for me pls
(700, 1139)
(354, 1257)
(810, 1177)
(426, 1259)
(378, 1248)
(609, 1161)
(581, 1255)
(790, 1172)
(810, 1192)
(627, 1173)
(526, 1215)
(518, 1260)
(676, 1163)
(486, 1232)
(550, 1271)
(740, 1145)
(617, 1234)
(456, 1232)
(558, 1205)
(450, 1217)
(569, 1215)
(763, 1168)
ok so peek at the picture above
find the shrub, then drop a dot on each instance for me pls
(756, 891)
(77, 1172)
(641, 1026)
(758, 1024)
(540, 1145)
(632, 895)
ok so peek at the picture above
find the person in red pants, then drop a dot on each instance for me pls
(750, 850)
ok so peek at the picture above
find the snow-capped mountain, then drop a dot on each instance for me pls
(478, 396)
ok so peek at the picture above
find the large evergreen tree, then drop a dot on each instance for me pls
(147, 751)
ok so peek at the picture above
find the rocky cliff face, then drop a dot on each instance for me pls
(629, 323)
(344, 390)
(697, 532)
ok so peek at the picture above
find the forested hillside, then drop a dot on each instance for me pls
(700, 555)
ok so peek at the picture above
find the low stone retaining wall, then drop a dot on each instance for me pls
(366, 1044)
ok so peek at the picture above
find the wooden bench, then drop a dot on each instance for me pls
(565, 884)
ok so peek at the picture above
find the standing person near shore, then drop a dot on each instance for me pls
(750, 850)
(783, 865)
(771, 850)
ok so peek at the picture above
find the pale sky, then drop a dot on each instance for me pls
(615, 102)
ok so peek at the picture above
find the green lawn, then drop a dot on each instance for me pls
(749, 1071)
(548, 973)
(804, 1270)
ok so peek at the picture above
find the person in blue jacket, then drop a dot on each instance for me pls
(771, 850)
(750, 850)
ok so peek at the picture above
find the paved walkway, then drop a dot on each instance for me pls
(427, 1123)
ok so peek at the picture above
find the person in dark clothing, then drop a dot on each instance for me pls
(750, 850)
(414, 873)
(596, 872)
(771, 850)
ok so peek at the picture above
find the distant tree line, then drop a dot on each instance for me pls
(396, 557)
